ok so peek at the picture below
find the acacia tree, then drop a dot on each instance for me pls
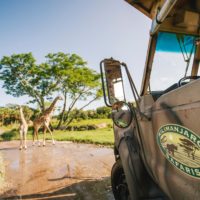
(86, 87)
(22, 76)
(77, 82)
(61, 72)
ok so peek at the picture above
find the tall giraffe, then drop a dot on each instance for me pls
(44, 120)
(23, 128)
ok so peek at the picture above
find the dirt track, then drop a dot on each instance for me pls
(62, 171)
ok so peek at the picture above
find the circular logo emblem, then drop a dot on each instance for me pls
(181, 147)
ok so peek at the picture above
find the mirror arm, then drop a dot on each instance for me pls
(131, 80)
(135, 92)
(133, 88)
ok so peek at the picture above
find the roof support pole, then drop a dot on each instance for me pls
(162, 14)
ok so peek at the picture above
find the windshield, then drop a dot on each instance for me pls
(172, 60)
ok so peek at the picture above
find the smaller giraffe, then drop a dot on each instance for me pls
(23, 129)
(44, 120)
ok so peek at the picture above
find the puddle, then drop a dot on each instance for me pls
(61, 169)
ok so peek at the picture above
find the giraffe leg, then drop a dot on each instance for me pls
(25, 133)
(50, 133)
(34, 133)
(21, 139)
(37, 137)
(44, 135)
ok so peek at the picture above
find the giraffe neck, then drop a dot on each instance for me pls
(22, 118)
(49, 110)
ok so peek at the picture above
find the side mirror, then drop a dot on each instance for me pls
(121, 114)
(112, 81)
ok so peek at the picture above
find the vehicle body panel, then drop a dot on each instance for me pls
(180, 106)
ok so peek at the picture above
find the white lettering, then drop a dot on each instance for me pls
(177, 163)
(187, 170)
(171, 128)
(193, 138)
(192, 172)
(176, 129)
(182, 168)
(198, 143)
(186, 134)
(181, 131)
(166, 128)
(197, 172)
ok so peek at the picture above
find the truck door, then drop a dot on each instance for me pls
(175, 117)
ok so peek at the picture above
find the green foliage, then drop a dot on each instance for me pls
(78, 115)
(73, 74)
(65, 73)
(10, 114)
(21, 76)
(104, 112)
(13, 70)
(77, 82)
(9, 135)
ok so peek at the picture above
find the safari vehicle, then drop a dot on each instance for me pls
(157, 131)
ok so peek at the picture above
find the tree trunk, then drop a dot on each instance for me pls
(81, 109)
(43, 105)
(40, 101)
(63, 111)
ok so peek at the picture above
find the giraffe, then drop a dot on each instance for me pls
(23, 128)
(44, 120)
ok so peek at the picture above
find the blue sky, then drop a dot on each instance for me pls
(93, 29)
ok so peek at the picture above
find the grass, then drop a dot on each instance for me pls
(92, 122)
(86, 122)
(102, 136)
(99, 136)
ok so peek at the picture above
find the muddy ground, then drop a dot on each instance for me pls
(62, 171)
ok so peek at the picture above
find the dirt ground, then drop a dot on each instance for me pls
(62, 171)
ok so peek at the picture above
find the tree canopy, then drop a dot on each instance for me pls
(62, 73)
(76, 81)
(22, 76)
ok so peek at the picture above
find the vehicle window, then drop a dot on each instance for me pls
(172, 61)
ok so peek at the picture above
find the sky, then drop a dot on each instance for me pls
(93, 29)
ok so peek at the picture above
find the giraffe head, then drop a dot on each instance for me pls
(18, 107)
(59, 98)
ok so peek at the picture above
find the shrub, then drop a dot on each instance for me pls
(9, 135)
(79, 128)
